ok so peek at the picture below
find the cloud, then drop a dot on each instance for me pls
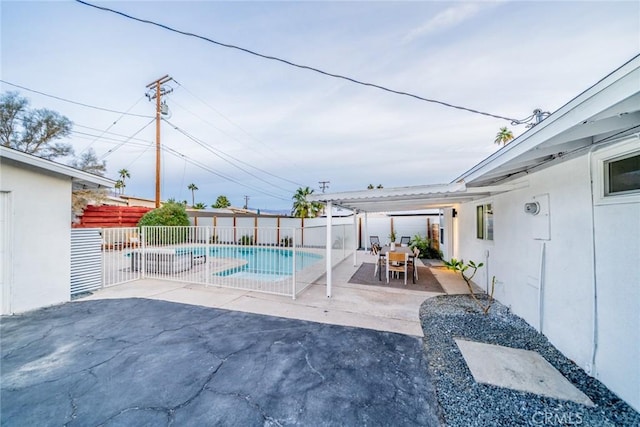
(448, 18)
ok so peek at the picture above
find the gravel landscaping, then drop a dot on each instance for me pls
(466, 403)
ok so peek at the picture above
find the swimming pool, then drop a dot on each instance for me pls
(264, 263)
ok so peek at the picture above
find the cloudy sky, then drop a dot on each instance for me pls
(241, 125)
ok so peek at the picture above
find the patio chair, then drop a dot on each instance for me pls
(397, 263)
(405, 240)
(380, 263)
(412, 262)
(375, 244)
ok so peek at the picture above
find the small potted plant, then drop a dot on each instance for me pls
(392, 237)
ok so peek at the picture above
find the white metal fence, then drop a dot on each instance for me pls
(276, 260)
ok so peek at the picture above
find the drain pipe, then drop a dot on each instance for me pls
(541, 288)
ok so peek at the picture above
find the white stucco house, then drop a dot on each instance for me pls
(555, 217)
(35, 224)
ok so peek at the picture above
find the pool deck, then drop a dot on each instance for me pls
(378, 308)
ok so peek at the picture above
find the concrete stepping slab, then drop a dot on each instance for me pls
(518, 369)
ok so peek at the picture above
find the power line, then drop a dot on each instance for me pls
(74, 102)
(91, 136)
(305, 67)
(173, 102)
(110, 152)
(147, 144)
(219, 154)
(112, 124)
(109, 133)
(270, 150)
(208, 169)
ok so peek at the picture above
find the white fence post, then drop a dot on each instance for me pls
(293, 276)
(207, 255)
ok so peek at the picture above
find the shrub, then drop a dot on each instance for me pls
(171, 215)
(461, 267)
(286, 241)
(424, 245)
(246, 240)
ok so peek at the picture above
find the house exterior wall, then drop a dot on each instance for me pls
(546, 263)
(617, 272)
(40, 248)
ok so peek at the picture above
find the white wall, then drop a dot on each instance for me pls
(41, 246)
(617, 243)
(403, 225)
(566, 271)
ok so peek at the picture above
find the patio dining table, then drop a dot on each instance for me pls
(400, 249)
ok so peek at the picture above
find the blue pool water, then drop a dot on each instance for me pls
(260, 261)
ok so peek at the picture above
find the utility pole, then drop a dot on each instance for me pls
(155, 90)
(246, 202)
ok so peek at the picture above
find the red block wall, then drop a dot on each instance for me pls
(111, 216)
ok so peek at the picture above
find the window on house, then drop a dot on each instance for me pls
(622, 175)
(484, 222)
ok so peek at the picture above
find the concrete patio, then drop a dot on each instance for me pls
(378, 308)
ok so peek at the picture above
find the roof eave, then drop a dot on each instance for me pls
(78, 177)
(560, 121)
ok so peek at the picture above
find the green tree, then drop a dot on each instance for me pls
(34, 131)
(123, 174)
(221, 203)
(193, 189)
(88, 162)
(80, 198)
(303, 208)
(503, 136)
(199, 205)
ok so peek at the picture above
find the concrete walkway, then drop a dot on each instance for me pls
(378, 308)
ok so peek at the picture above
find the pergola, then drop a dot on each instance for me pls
(412, 198)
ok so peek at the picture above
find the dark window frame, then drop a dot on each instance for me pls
(628, 163)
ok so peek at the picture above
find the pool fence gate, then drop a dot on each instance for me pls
(275, 260)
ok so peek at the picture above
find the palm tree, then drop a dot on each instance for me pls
(503, 136)
(302, 208)
(193, 188)
(119, 185)
(124, 174)
(199, 205)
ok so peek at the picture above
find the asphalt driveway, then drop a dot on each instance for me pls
(146, 362)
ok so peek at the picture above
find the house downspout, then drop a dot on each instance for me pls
(541, 288)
